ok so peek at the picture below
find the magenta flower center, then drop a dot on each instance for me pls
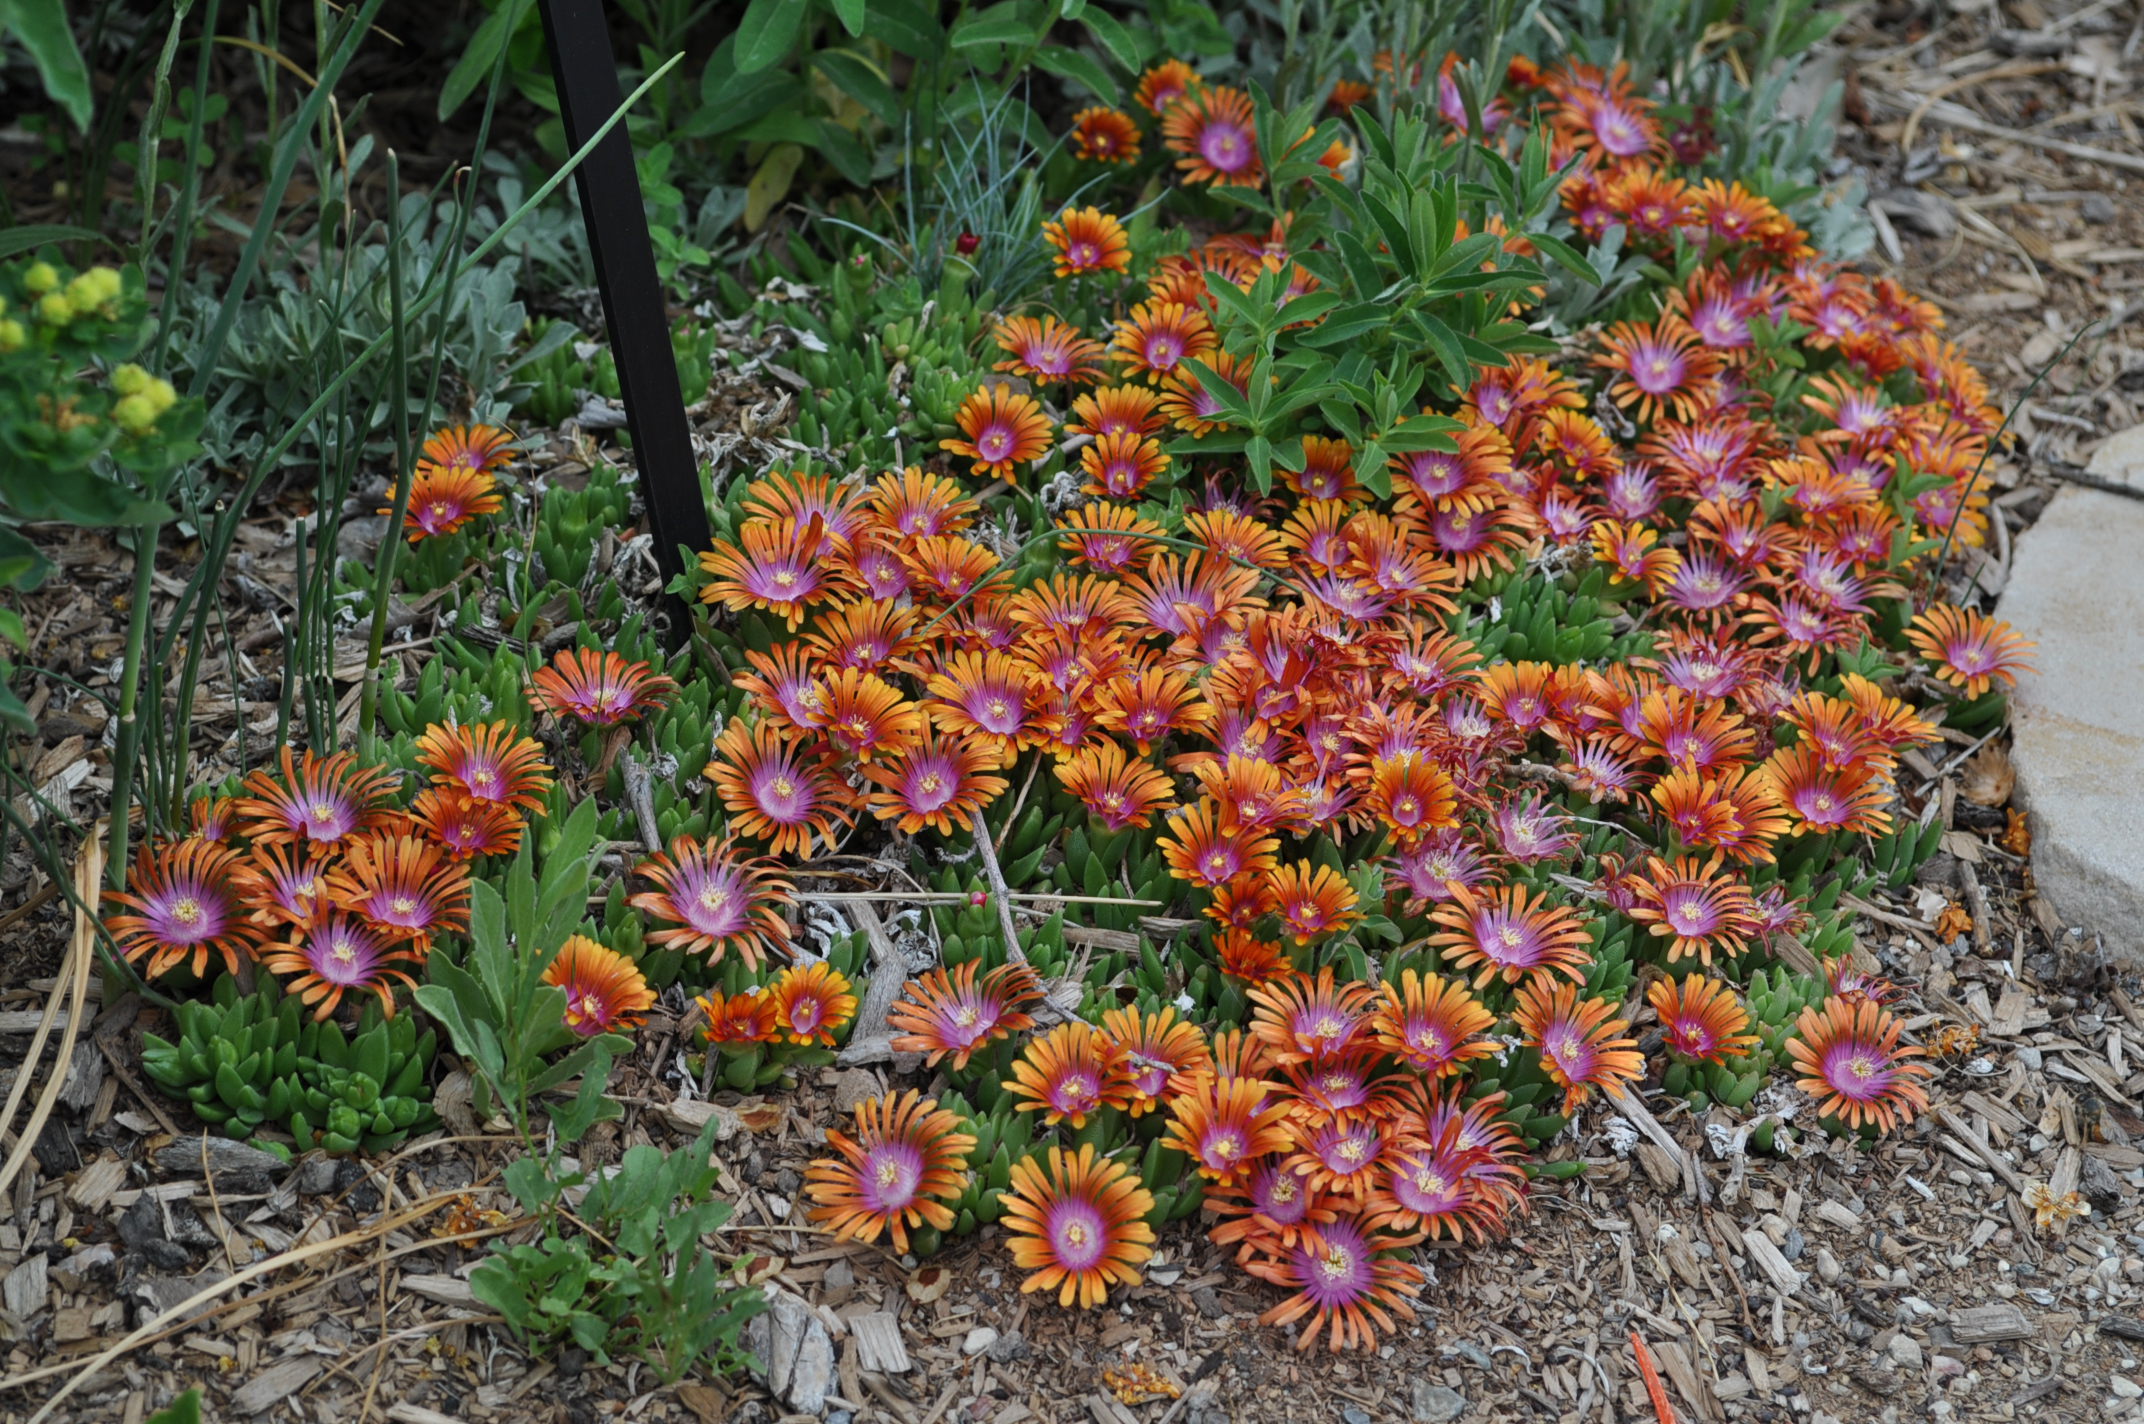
(1225, 146)
(1335, 1267)
(890, 1175)
(1078, 1234)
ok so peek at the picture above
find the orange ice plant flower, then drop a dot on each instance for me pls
(1224, 1126)
(1105, 135)
(953, 1013)
(1578, 1039)
(812, 1003)
(1077, 1225)
(1000, 428)
(605, 991)
(1068, 1074)
(907, 1158)
(1088, 240)
(1851, 1061)
(1700, 1019)
(1968, 649)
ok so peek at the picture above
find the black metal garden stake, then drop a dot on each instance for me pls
(609, 185)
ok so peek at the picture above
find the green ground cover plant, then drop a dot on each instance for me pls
(1352, 564)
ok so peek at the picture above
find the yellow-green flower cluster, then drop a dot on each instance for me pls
(142, 398)
(94, 292)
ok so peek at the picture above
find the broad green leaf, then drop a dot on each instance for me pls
(1565, 256)
(905, 26)
(40, 26)
(858, 78)
(481, 57)
(841, 149)
(1080, 68)
(18, 240)
(729, 100)
(768, 32)
(1000, 24)
(849, 12)
(21, 564)
(1126, 46)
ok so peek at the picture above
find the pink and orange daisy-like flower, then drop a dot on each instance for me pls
(1078, 1225)
(605, 991)
(1158, 337)
(1700, 1020)
(908, 1157)
(812, 1003)
(1000, 428)
(336, 954)
(1117, 789)
(1155, 1050)
(282, 885)
(1121, 464)
(738, 1020)
(1313, 901)
(1445, 1189)
(1851, 1061)
(188, 904)
(1105, 135)
(952, 1013)
(714, 901)
(1272, 1209)
(483, 448)
(492, 762)
(1215, 130)
(442, 499)
(1200, 850)
(1578, 1039)
(405, 888)
(778, 791)
(1347, 1279)
(1816, 799)
(1968, 649)
(987, 698)
(1088, 240)
(598, 688)
(1069, 1074)
(1511, 934)
(1662, 368)
(939, 781)
(781, 566)
(1046, 349)
(862, 713)
(1431, 1024)
(1300, 1018)
(1164, 84)
(464, 827)
(316, 804)
(1697, 908)
(1225, 1126)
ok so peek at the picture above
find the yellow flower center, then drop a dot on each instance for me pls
(783, 786)
(403, 904)
(187, 911)
(1339, 1263)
